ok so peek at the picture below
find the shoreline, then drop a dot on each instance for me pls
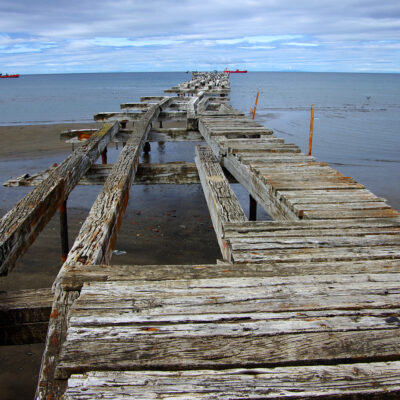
(17, 141)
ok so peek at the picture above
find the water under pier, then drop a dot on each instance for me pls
(304, 306)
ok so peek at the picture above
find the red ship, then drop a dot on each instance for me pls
(236, 71)
(9, 76)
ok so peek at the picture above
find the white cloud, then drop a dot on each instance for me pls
(301, 44)
(122, 34)
(125, 42)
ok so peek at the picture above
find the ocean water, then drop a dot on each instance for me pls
(357, 116)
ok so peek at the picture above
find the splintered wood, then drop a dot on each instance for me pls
(305, 306)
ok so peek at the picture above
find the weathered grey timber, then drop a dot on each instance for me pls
(178, 173)
(359, 381)
(222, 202)
(306, 306)
(20, 226)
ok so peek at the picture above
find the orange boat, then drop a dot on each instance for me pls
(236, 71)
(9, 76)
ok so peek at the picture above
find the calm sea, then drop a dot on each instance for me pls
(357, 116)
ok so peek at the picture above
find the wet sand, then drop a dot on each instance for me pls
(163, 224)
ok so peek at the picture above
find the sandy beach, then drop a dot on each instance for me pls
(164, 224)
(35, 140)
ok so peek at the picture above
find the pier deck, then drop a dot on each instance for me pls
(305, 306)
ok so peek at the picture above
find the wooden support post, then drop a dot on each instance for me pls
(255, 107)
(62, 209)
(252, 209)
(146, 148)
(161, 124)
(104, 156)
(311, 130)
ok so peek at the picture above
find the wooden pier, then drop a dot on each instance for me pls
(304, 306)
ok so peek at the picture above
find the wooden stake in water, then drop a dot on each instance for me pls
(253, 110)
(311, 130)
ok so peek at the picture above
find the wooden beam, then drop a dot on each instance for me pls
(221, 200)
(177, 173)
(368, 381)
(21, 225)
(74, 276)
(24, 316)
(118, 116)
(174, 134)
(191, 123)
(139, 106)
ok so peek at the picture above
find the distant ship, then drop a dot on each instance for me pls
(244, 71)
(9, 76)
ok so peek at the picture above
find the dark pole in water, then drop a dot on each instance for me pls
(104, 156)
(253, 209)
(62, 208)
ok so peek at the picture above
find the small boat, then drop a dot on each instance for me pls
(9, 76)
(244, 71)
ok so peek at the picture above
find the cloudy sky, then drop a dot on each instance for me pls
(53, 36)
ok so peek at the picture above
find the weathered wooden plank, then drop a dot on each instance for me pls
(348, 213)
(262, 192)
(299, 225)
(221, 200)
(227, 322)
(178, 173)
(304, 242)
(253, 158)
(329, 196)
(210, 350)
(24, 316)
(235, 141)
(277, 298)
(80, 134)
(173, 134)
(75, 276)
(320, 234)
(317, 254)
(21, 225)
(360, 381)
(191, 123)
(118, 116)
(25, 306)
(140, 106)
(151, 99)
(172, 115)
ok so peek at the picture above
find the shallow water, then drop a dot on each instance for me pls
(357, 116)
